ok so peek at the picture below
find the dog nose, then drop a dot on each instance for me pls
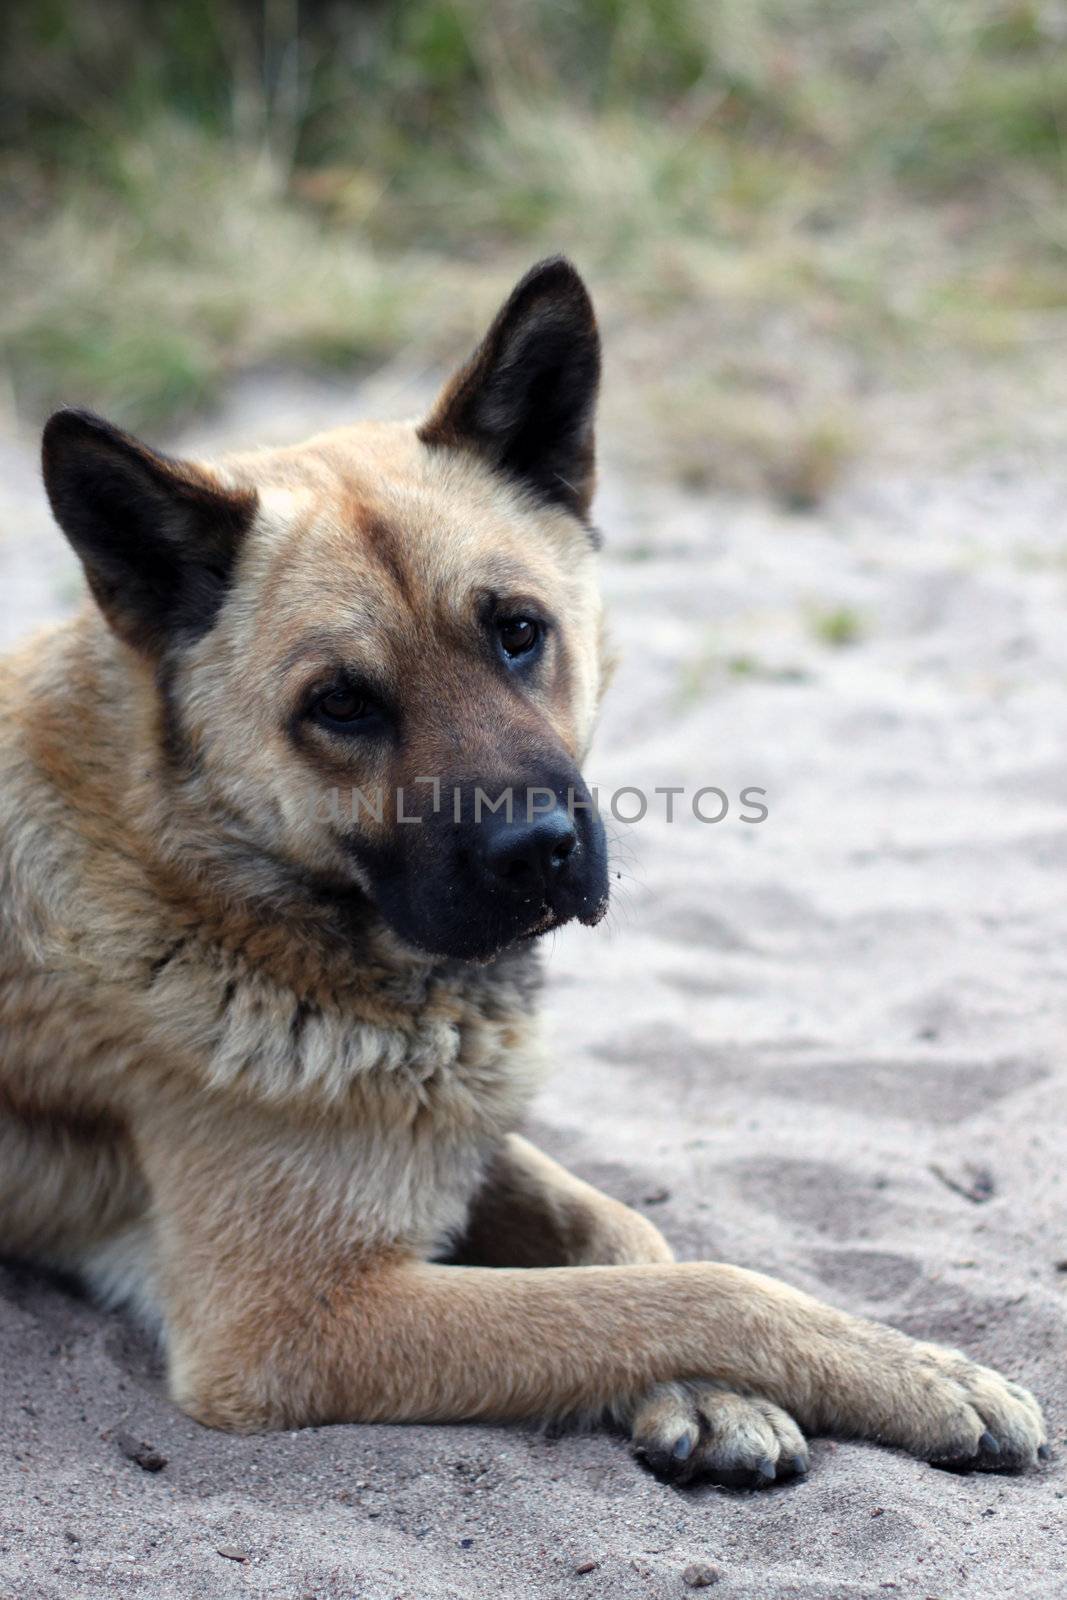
(528, 855)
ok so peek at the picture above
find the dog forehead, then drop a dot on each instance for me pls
(346, 526)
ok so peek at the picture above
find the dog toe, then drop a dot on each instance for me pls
(691, 1431)
(1007, 1432)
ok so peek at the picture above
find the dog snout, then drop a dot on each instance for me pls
(530, 857)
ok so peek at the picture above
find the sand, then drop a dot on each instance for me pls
(828, 1045)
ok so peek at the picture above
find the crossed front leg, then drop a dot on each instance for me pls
(278, 1317)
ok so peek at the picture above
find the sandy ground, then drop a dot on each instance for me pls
(829, 1045)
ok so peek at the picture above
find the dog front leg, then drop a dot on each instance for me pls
(400, 1340)
(279, 1315)
(531, 1212)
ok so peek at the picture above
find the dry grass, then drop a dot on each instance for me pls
(782, 207)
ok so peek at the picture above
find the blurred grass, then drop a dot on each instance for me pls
(772, 198)
(837, 628)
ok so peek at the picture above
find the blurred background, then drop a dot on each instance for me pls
(817, 230)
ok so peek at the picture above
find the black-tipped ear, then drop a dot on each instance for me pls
(525, 400)
(157, 538)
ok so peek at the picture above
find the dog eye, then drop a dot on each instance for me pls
(518, 635)
(342, 706)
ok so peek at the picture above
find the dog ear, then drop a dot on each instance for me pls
(157, 538)
(525, 400)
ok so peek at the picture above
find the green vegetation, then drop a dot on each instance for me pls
(837, 628)
(770, 196)
(711, 671)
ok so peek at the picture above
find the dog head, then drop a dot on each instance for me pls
(376, 657)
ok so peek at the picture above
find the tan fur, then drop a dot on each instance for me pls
(269, 1137)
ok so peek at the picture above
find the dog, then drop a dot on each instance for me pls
(266, 1039)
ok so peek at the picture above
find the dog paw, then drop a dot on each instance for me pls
(686, 1431)
(981, 1422)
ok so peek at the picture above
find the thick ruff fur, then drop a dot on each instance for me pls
(261, 1061)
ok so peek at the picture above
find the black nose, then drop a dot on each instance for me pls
(530, 855)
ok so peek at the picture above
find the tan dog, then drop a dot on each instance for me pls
(264, 1046)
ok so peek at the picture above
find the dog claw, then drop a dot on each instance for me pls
(683, 1448)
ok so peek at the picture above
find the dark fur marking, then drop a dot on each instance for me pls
(161, 963)
(384, 544)
(302, 1012)
(174, 743)
(82, 1125)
